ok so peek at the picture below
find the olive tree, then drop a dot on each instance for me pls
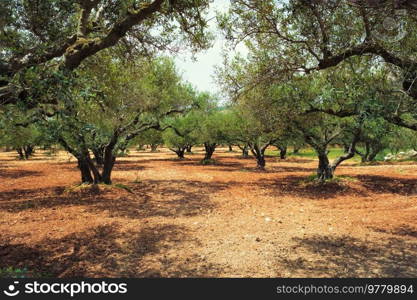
(213, 130)
(302, 37)
(182, 133)
(41, 37)
(112, 103)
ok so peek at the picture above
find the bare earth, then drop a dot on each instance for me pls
(182, 219)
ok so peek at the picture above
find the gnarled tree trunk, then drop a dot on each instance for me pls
(98, 155)
(180, 151)
(282, 152)
(189, 148)
(245, 150)
(19, 151)
(371, 151)
(324, 170)
(85, 170)
(209, 148)
(259, 153)
(260, 162)
(154, 147)
(28, 149)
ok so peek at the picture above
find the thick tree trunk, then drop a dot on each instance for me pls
(260, 162)
(25, 152)
(94, 170)
(373, 154)
(245, 152)
(180, 151)
(85, 163)
(85, 170)
(324, 170)
(29, 151)
(98, 155)
(20, 152)
(154, 147)
(209, 148)
(89, 171)
(259, 153)
(109, 160)
(180, 154)
(230, 148)
(283, 152)
(189, 148)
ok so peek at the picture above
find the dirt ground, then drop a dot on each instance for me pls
(183, 219)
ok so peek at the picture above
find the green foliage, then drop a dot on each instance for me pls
(330, 55)
(113, 99)
(18, 132)
(150, 137)
(183, 131)
(212, 127)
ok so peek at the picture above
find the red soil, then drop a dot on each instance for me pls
(183, 219)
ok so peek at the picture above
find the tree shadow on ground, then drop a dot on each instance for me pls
(122, 165)
(297, 186)
(35, 158)
(239, 167)
(290, 158)
(217, 164)
(295, 159)
(144, 155)
(292, 169)
(15, 174)
(359, 185)
(403, 231)
(345, 256)
(166, 198)
(391, 185)
(128, 166)
(23, 199)
(69, 165)
(171, 159)
(108, 251)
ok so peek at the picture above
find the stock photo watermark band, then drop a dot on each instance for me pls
(232, 288)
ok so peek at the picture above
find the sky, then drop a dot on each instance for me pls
(201, 71)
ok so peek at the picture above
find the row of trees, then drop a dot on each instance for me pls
(328, 72)
(88, 74)
(93, 80)
(109, 107)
